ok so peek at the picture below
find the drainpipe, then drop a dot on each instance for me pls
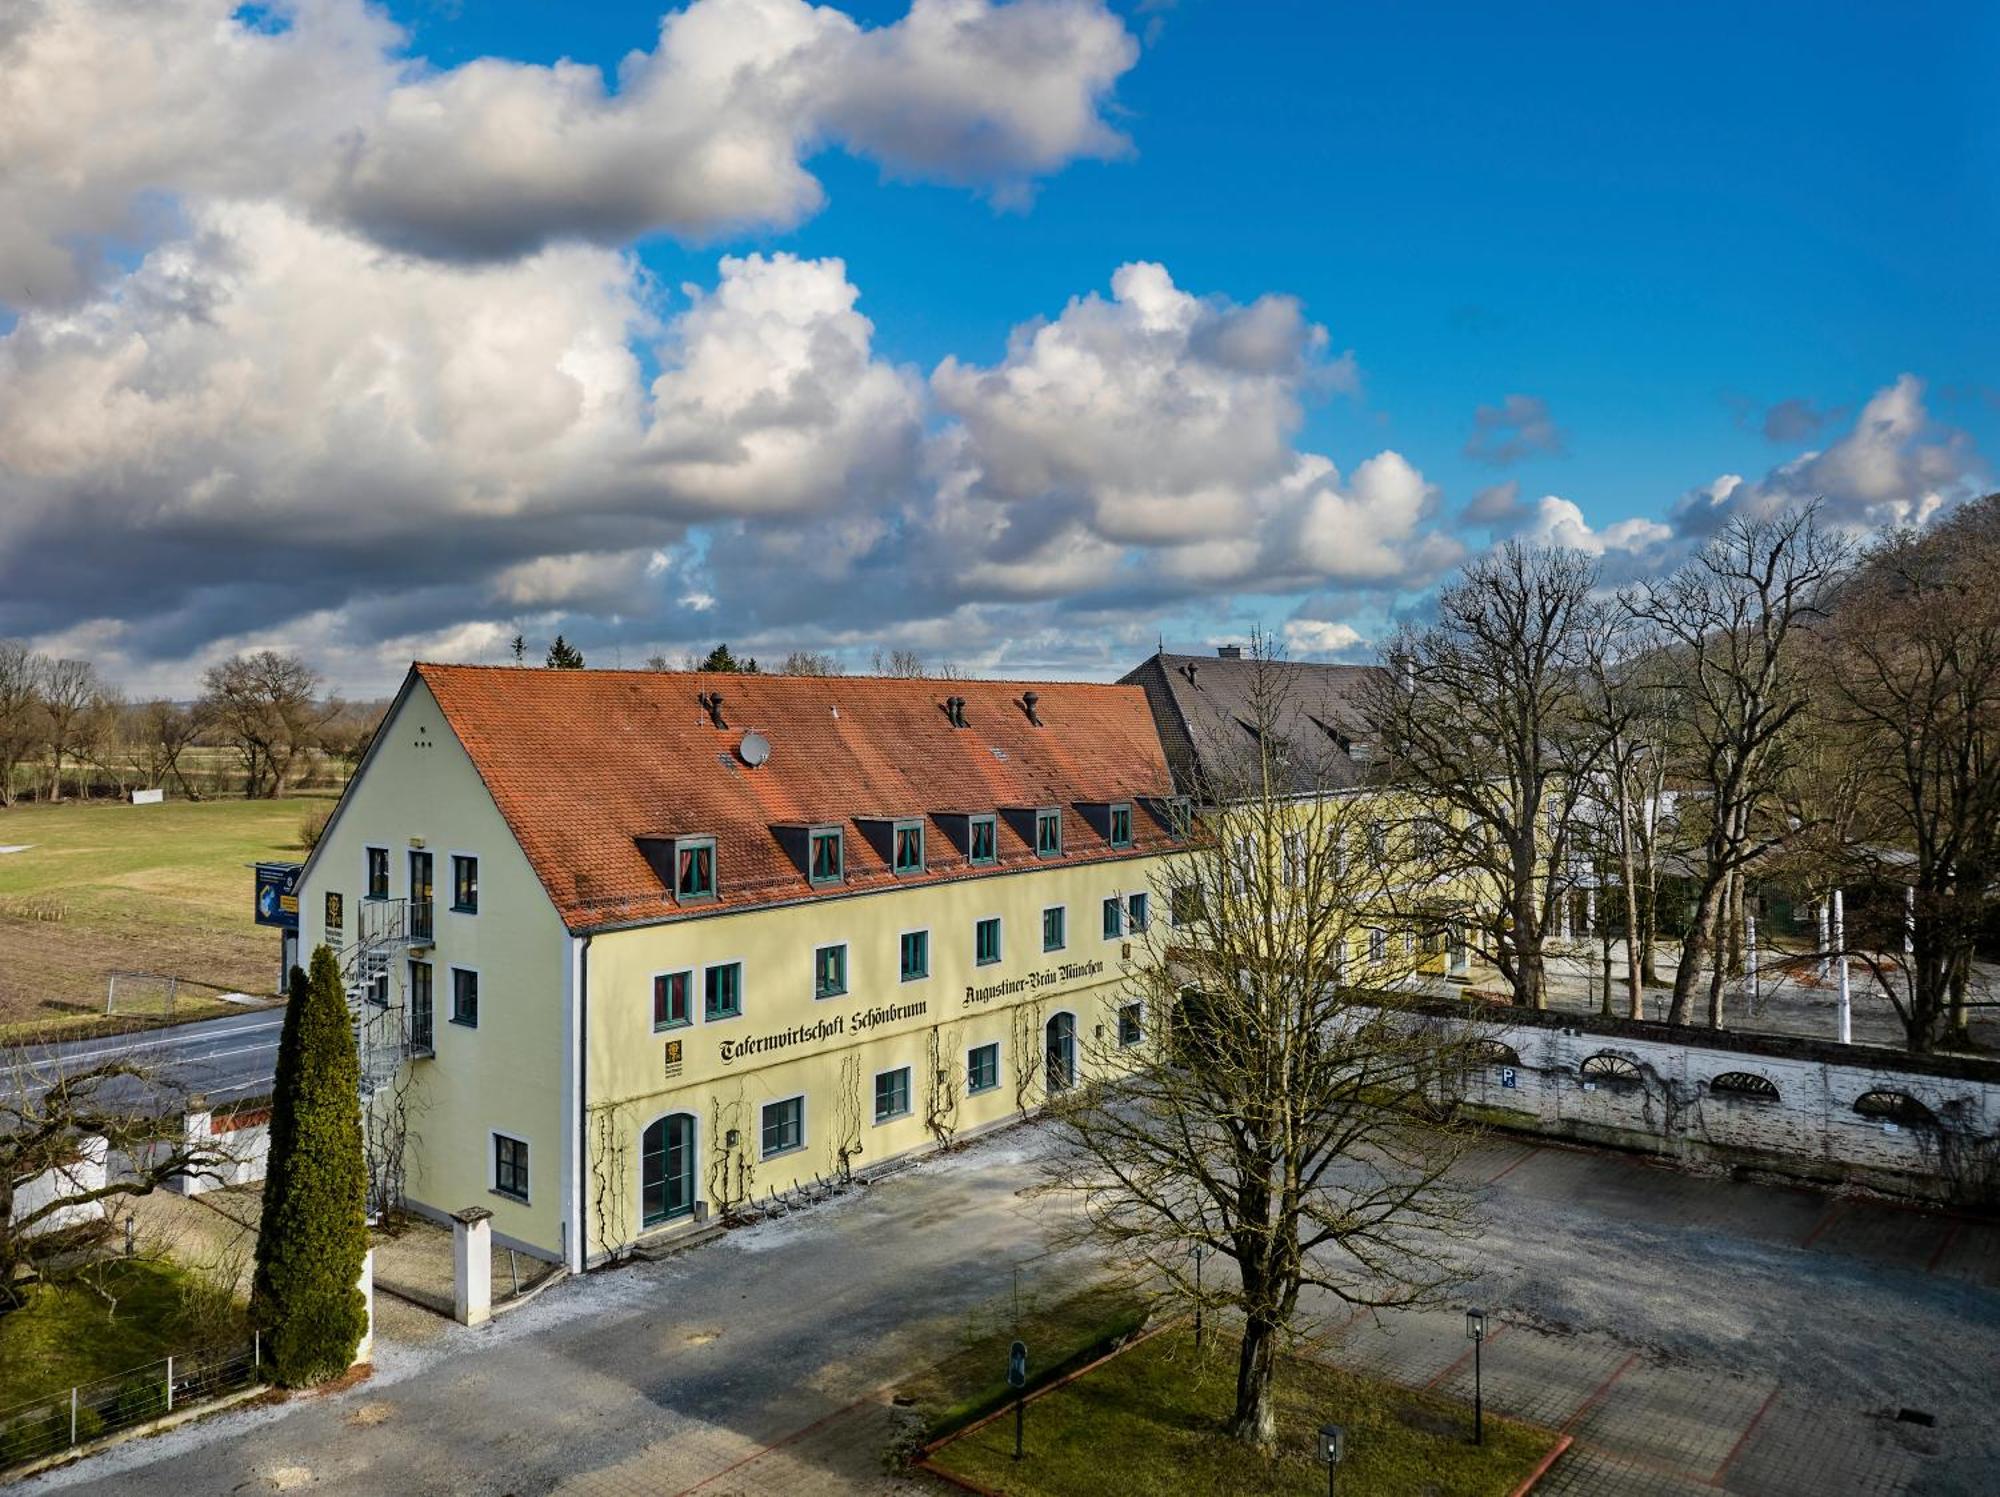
(581, 1250)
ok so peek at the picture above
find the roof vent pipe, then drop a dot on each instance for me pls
(711, 702)
(954, 711)
(1028, 700)
(1189, 670)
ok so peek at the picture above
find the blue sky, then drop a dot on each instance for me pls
(1688, 244)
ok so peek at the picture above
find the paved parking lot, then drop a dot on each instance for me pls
(1692, 1334)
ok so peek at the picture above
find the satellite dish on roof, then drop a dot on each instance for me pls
(754, 749)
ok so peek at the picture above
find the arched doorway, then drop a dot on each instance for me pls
(666, 1170)
(1061, 1052)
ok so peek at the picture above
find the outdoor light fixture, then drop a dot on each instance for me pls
(1475, 1330)
(1332, 1446)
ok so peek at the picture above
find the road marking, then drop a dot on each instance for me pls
(179, 1039)
(1824, 1222)
(1937, 1257)
(1744, 1438)
(1597, 1395)
(1464, 1357)
(1532, 1152)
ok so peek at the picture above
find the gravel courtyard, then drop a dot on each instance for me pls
(1692, 1334)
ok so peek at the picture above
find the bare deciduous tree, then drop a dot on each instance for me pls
(1485, 723)
(68, 688)
(810, 663)
(1730, 622)
(1279, 1114)
(20, 711)
(54, 1112)
(266, 706)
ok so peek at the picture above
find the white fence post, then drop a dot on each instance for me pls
(72, 1414)
(170, 1385)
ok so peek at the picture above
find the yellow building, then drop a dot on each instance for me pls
(630, 948)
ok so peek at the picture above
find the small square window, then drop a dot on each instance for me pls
(892, 1094)
(983, 839)
(1121, 826)
(784, 1127)
(694, 869)
(1114, 917)
(914, 955)
(673, 999)
(830, 971)
(827, 863)
(378, 873)
(909, 847)
(986, 941)
(722, 991)
(465, 997)
(1131, 1028)
(1048, 834)
(1053, 934)
(510, 1167)
(1138, 912)
(982, 1068)
(464, 884)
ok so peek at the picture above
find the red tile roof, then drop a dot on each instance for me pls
(584, 763)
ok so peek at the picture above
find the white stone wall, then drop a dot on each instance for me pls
(248, 1146)
(87, 1173)
(1811, 1129)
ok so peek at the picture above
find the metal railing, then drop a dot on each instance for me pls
(89, 1411)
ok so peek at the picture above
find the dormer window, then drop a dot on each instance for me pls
(1121, 826)
(694, 868)
(909, 845)
(983, 839)
(1048, 833)
(827, 862)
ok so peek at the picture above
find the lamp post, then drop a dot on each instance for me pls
(1199, 1252)
(1475, 1327)
(1017, 1379)
(1332, 1446)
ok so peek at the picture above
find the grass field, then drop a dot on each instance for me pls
(105, 886)
(1150, 1420)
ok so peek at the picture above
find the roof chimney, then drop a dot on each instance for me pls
(1229, 652)
(954, 711)
(711, 702)
(1028, 700)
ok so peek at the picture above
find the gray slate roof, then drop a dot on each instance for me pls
(1204, 706)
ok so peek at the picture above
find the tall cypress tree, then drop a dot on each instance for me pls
(314, 1231)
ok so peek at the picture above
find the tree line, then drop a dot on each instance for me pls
(1788, 711)
(262, 725)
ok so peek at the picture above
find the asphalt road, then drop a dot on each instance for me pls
(221, 1059)
(1695, 1334)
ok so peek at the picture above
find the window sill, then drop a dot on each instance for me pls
(780, 1153)
(464, 1023)
(507, 1195)
(915, 977)
(672, 1024)
(987, 961)
(892, 1117)
(465, 909)
(822, 997)
(980, 1091)
(721, 1018)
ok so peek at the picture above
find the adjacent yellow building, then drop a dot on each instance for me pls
(631, 948)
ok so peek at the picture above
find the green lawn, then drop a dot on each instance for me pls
(71, 1335)
(1150, 1420)
(108, 886)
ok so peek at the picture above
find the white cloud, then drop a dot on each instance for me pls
(1894, 466)
(1320, 636)
(118, 115)
(1558, 522)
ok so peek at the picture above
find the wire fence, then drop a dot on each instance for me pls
(89, 1411)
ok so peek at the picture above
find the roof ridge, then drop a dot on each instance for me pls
(647, 671)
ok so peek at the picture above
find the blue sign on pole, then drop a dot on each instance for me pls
(277, 895)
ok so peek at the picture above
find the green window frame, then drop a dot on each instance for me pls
(982, 1069)
(1054, 934)
(892, 1094)
(827, 862)
(1138, 913)
(465, 997)
(1048, 833)
(378, 873)
(510, 1167)
(908, 845)
(722, 991)
(1131, 1026)
(830, 971)
(673, 999)
(986, 941)
(782, 1127)
(913, 955)
(464, 884)
(1121, 826)
(982, 839)
(694, 869)
(1114, 918)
